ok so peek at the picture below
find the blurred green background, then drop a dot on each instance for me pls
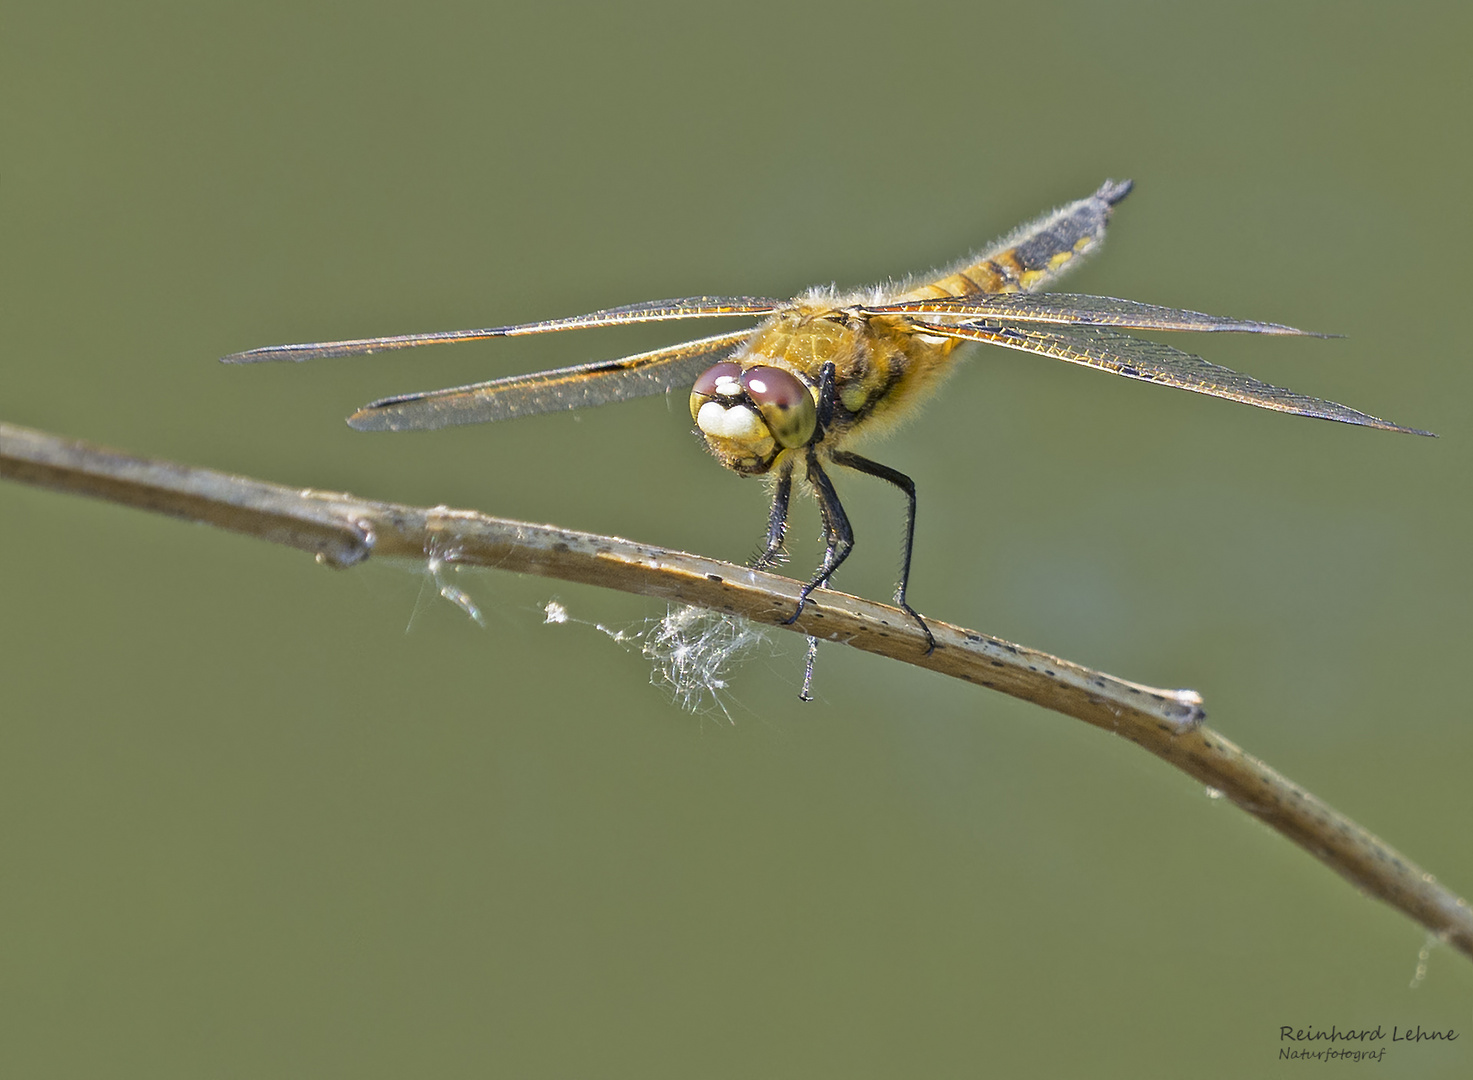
(255, 823)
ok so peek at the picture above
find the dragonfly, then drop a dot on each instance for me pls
(787, 398)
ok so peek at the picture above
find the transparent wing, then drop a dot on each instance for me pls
(583, 385)
(690, 307)
(1150, 361)
(1072, 309)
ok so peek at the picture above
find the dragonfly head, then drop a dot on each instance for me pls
(749, 416)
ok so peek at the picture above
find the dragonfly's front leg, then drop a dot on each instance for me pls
(838, 537)
(777, 518)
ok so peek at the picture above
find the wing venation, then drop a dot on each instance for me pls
(580, 386)
(1072, 309)
(1151, 361)
(690, 307)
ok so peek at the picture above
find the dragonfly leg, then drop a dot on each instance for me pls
(837, 535)
(907, 485)
(777, 519)
(827, 392)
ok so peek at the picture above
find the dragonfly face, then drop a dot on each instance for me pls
(750, 416)
(786, 397)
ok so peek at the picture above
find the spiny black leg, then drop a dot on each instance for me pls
(777, 519)
(837, 535)
(835, 521)
(907, 485)
(827, 377)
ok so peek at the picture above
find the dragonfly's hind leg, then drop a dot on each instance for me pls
(908, 486)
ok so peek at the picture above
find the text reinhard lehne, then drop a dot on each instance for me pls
(1375, 1034)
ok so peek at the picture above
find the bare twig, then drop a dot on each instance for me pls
(342, 530)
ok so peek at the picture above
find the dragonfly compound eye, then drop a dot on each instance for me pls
(721, 384)
(734, 428)
(785, 403)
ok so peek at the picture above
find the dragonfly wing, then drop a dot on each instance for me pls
(1067, 309)
(1150, 361)
(690, 307)
(581, 386)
